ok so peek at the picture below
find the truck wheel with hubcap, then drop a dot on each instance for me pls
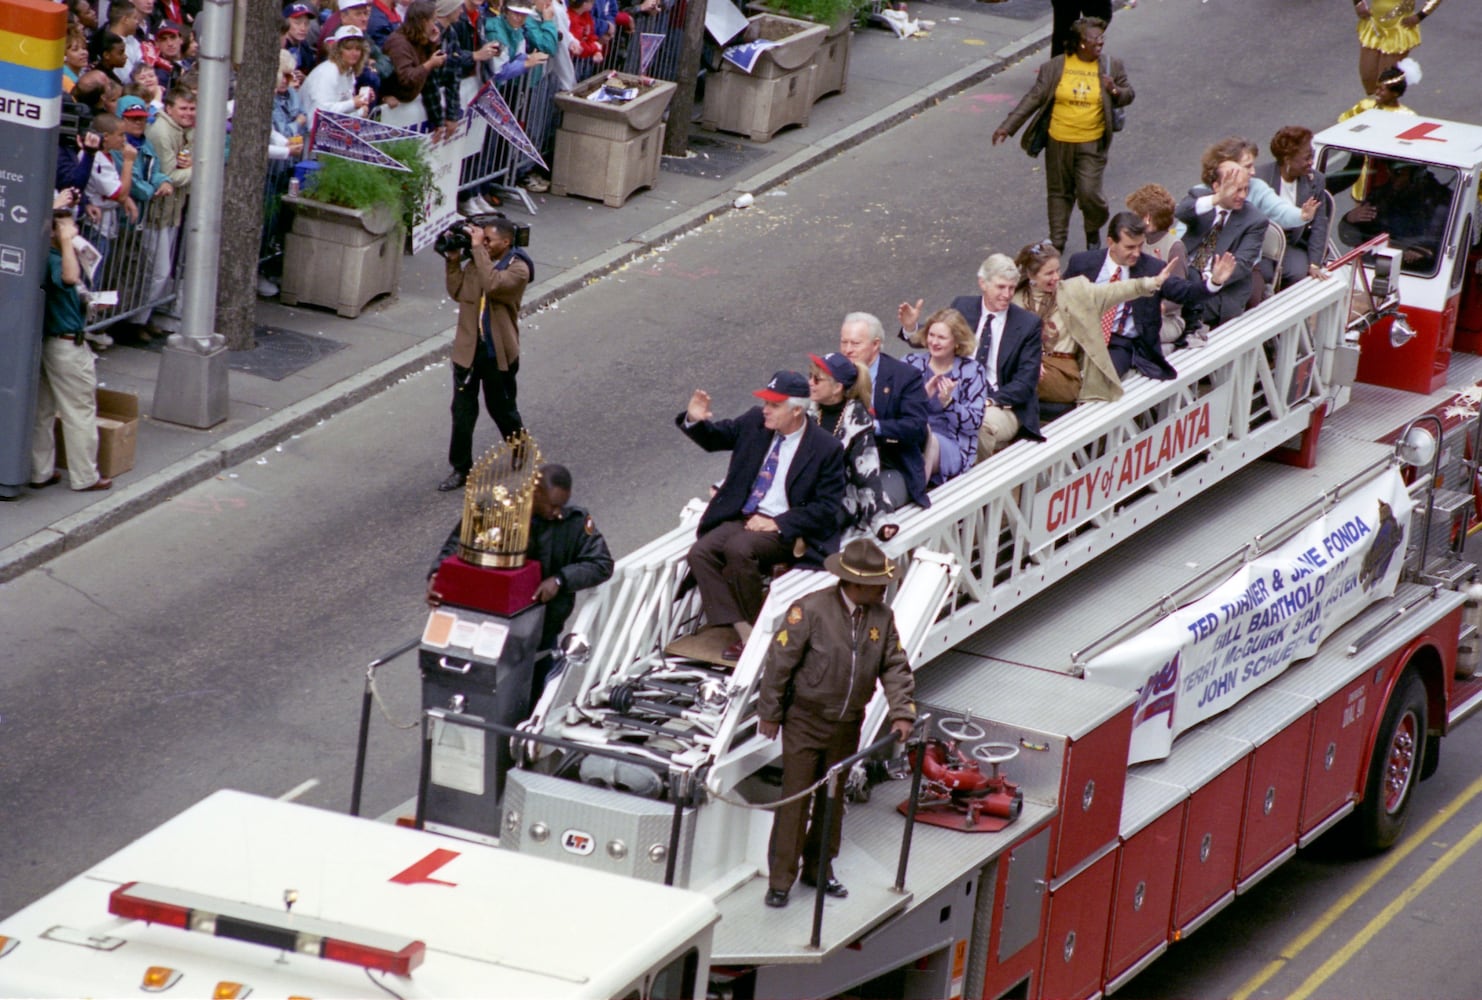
(1394, 766)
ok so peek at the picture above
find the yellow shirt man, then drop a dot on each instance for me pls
(1076, 116)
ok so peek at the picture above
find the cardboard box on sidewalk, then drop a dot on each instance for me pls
(118, 433)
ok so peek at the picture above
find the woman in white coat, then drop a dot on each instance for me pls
(331, 84)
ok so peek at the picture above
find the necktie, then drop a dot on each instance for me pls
(985, 352)
(858, 618)
(486, 329)
(1109, 318)
(1205, 254)
(764, 477)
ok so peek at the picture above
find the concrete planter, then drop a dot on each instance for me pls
(340, 258)
(832, 57)
(832, 60)
(609, 150)
(780, 89)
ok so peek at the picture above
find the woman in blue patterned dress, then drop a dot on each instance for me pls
(956, 392)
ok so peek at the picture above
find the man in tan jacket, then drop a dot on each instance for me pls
(488, 285)
(171, 135)
(819, 675)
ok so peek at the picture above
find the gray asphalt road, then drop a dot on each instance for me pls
(219, 640)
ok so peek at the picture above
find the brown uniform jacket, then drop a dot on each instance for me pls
(475, 281)
(812, 665)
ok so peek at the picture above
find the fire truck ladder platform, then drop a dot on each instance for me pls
(1253, 503)
(1256, 386)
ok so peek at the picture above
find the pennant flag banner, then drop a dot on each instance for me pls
(373, 131)
(648, 47)
(746, 54)
(491, 107)
(1274, 611)
(336, 135)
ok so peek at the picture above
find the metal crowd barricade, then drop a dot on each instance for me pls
(624, 51)
(126, 267)
(498, 162)
(274, 219)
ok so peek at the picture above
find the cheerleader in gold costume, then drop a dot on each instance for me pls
(1387, 31)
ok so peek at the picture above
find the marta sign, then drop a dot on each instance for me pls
(32, 38)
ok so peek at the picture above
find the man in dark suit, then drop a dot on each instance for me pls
(1135, 341)
(970, 306)
(1009, 347)
(1221, 222)
(899, 408)
(1291, 176)
(779, 501)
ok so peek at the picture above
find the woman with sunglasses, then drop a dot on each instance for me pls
(840, 392)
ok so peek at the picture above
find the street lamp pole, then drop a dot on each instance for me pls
(192, 385)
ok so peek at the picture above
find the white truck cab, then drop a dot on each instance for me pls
(1415, 178)
(243, 895)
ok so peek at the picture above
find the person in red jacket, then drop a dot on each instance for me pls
(584, 41)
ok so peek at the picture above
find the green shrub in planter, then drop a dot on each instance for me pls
(352, 184)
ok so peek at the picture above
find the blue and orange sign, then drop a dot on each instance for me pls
(32, 39)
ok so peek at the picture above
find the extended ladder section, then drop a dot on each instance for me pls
(993, 538)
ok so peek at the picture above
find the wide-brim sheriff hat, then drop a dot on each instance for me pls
(861, 561)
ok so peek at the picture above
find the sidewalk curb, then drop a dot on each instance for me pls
(82, 526)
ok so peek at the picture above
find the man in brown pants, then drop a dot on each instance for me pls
(819, 675)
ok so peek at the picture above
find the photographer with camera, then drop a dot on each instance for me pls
(487, 274)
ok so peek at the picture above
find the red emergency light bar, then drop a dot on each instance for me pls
(271, 928)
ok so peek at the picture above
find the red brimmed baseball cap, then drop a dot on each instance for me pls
(784, 385)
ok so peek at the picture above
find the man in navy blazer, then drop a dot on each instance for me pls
(1136, 342)
(899, 408)
(1010, 349)
(779, 501)
(1234, 226)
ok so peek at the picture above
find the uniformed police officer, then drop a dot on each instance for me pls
(570, 550)
(819, 675)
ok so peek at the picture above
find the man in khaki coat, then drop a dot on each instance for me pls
(171, 135)
(488, 285)
(819, 676)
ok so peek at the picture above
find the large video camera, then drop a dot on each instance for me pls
(456, 239)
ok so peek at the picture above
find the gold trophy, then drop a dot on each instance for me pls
(497, 503)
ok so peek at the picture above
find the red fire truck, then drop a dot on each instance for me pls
(1157, 653)
(1187, 634)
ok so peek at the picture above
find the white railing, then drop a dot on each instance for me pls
(1010, 529)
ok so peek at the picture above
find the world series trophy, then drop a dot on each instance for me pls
(497, 501)
(481, 639)
(490, 572)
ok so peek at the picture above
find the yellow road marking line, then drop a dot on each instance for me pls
(1348, 899)
(1384, 916)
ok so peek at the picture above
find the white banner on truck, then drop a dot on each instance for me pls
(1276, 610)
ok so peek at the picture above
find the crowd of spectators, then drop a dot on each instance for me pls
(416, 64)
(1041, 335)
